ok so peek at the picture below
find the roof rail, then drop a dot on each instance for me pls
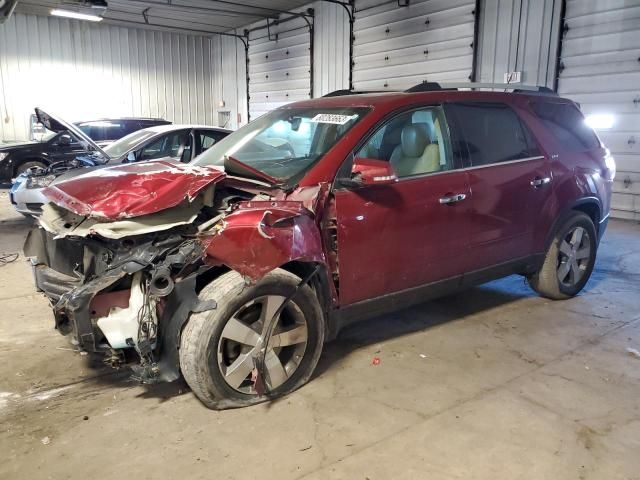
(515, 87)
(339, 93)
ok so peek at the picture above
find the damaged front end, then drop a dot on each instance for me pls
(122, 253)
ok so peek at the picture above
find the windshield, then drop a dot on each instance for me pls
(282, 144)
(46, 136)
(122, 146)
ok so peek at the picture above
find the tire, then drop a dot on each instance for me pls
(206, 346)
(23, 167)
(557, 263)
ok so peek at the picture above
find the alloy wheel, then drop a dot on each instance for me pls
(237, 350)
(573, 256)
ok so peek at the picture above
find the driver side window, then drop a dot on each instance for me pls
(415, 143)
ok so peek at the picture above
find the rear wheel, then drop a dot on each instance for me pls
(218, 348)
(28, 165)
(569, 260)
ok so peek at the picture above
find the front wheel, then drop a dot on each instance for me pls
(218, 348)
(569, 259)
(28, 166)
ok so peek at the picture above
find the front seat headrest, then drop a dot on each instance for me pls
(414, 141)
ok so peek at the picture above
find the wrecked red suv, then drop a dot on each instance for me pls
(234, 270)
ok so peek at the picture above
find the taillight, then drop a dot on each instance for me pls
(610, 163)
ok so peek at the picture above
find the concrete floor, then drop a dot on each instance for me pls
(493, 383)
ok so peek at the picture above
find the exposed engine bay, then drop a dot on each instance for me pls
(122, 253)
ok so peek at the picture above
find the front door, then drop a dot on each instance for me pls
(396, 237)
(510, 179)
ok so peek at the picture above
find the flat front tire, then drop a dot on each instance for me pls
(569, 259)
(218, 347)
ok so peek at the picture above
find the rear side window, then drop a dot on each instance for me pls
(208, 138)
(131, 126)
(567, 124)
(493, 133)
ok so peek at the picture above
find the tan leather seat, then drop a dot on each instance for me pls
(415, 154)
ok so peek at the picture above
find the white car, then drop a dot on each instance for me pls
(178, 143)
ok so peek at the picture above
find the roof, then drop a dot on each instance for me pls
(172, 127)
(399, 98)
(115, 119)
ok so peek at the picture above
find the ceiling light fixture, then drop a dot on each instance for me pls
(76, 15)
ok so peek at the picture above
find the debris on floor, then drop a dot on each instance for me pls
(45, 440)
(375, 361)
(633, 352)
(8, 258)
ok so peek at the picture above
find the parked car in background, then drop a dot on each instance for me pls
(176, 143)
(233, 270)
(109, 130)
(16, 158)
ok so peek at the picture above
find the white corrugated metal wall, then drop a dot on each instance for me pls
(331, 48)
(600, 69)
(82, 71)
(519, 35)
(229, 80)
(397, 47)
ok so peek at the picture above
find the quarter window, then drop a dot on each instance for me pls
(415, 143)
(567, 124)
(493, 133)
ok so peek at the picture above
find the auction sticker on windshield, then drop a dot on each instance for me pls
(332, 118)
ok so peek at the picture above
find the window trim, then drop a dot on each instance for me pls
(458, 163)
(508, 162)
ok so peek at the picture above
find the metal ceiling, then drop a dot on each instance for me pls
(190, 16)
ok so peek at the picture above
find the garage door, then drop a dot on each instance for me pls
(600, 69)
(396, 47)
(279, 66)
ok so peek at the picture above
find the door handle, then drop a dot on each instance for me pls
(539, 182)
(448, 200)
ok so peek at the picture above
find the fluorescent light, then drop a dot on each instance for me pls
(600, 121)
(77, 15)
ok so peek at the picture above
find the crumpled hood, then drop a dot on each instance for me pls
(126, 191)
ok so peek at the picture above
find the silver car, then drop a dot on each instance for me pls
(177, 143)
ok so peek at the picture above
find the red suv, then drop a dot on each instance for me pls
(235, 269)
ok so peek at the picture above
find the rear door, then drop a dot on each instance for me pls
(510, 179)
(396, 237)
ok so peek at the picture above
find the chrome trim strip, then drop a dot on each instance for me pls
(441, 172)
(519, 160)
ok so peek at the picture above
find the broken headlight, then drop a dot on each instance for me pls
(40, 181)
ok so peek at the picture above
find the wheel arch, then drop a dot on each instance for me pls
(591, 206)
(22, 161)
(319, 283)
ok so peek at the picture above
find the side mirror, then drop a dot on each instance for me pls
(131, 157)
(64, 140)
(371, 171)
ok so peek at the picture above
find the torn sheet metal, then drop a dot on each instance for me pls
(259, 236)
(126, 191)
